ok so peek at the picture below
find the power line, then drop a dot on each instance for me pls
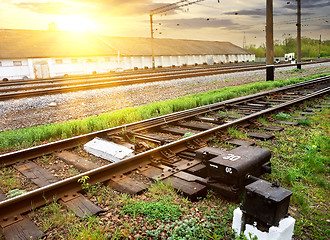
(166, 8)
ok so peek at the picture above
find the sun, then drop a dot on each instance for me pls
(75, 23)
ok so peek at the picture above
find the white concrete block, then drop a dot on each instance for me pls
(237, 221)
(284, 231)
(108, 150)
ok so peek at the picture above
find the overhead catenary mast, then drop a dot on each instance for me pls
(269, 41)
(298, 34)
(166, 8)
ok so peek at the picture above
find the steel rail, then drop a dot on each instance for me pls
(126, 75)
(96, 84)
(14, 93)
(125, 79)
(39, 197)
(37, 151)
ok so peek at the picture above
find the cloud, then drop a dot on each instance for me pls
(46, 7)
(95, 8)
(198, 23)
(306, 4)
(255, 12)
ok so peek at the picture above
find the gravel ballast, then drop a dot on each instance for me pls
(34, 111)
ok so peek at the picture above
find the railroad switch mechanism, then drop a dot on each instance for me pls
(264, 212)
(266, 203)
(227, 170)
(233, 166)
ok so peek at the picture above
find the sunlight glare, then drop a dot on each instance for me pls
(75, 24)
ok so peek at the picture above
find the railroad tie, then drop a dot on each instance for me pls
(127, 185)
(80, 205)
(23, 229)
(36, 174)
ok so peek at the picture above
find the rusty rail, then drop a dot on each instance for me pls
(9, 209)
(21, 155)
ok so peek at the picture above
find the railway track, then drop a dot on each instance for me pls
(157, 150)
(21, 89)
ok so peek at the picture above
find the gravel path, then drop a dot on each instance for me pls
(26, 112)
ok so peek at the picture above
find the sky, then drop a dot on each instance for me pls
(237, 21)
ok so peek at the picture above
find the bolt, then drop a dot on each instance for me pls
(188, 163)
(140, 166)
(65, 195)
(74, 194)
(15, 218)
(5, 219)
(114, 176)
(162, 174)
(121, 175)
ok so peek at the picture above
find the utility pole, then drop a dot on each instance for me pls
(320, 46)
(244, 41)
(269, 41)
(298, 34)
(166, 8)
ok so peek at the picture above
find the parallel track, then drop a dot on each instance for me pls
(21, 89)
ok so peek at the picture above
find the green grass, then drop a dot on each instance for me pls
(55, 216)
(233, 132)
(153, 210)
(300, 161)
(22, 138)
(9, 180)
(283, 116)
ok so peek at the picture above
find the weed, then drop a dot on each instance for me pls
(91, 190)
(189, 229)
(263, 120)
(91, 229)
(153, 210)
(305, 121)
(54, 215)
(296, 70)
(47, 158)
(9, 180)
(15, 192)
(221, 114)
(188, 134)
(73, 171)
(283, 116)
(233, 132)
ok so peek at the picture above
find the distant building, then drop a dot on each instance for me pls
(32, 54)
